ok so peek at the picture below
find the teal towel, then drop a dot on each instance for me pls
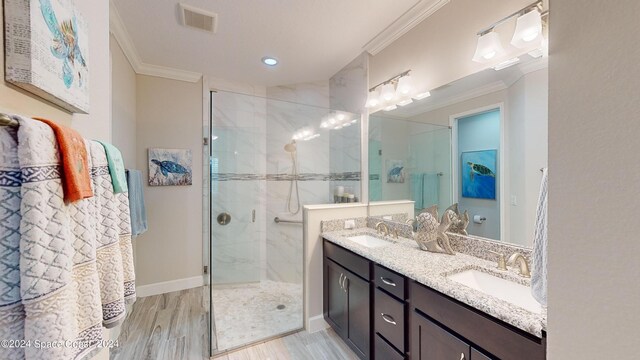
(116, 168)
(136, 203)
(430, 189)
(417, 189)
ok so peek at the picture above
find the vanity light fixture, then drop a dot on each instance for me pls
(397, 91)
(528, 29)
(528, 33)
(269, 61)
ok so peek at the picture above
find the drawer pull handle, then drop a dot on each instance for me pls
(387, 281)
(388, 318)
(461, 356)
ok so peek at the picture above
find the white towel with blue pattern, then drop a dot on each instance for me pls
(11, 309)
(59, 283)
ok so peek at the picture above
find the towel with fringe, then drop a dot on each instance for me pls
(58, 272)
(11, 309)
(539, 255)
(76, 180)
(109, 254)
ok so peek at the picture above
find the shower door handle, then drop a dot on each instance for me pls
(253, 215)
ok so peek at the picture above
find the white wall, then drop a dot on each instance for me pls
(169, 115)
(123, 104)
(593, 266)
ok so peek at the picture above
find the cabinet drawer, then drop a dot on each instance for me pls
(390, 281)
(389, 319)
(350, 261)
(490, 334)
(384, 351)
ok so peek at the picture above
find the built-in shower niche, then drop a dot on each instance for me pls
(268, 159)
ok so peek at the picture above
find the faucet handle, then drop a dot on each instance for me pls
(502, 263)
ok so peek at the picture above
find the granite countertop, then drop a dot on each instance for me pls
(430, 269)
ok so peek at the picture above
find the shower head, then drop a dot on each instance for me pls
(291, 147)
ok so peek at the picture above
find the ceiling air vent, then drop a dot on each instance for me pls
(198, 18)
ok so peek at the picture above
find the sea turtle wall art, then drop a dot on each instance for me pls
(395, 171)
(479, 174)
(169, 167)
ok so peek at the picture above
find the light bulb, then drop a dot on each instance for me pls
(388, 92)
(528, 32)
(404, 86)
(340, 117)
(488, 47)
(372, 99)
(332, 121)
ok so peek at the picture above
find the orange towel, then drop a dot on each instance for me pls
(76, 178)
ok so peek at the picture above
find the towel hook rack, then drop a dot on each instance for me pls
(6, 120)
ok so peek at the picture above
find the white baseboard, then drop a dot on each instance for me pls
(316, 323)
(169, 286)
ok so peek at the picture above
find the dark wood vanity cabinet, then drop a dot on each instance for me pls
(383, 315)
(347, 297)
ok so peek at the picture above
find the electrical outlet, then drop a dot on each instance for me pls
(387, 217)
(349, 224)
(514, 200)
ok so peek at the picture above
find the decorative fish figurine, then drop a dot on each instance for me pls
(480, 170)
(167, 167)
(65, 42)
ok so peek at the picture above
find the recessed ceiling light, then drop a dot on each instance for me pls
(270, 61)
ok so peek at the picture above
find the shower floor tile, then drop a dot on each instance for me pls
(251, 312)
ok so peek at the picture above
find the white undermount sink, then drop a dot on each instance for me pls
(369, 241)
(517, 294)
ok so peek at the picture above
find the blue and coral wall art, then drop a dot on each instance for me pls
(479, 173)
(170, 167)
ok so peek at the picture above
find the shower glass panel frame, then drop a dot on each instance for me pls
(266, 159)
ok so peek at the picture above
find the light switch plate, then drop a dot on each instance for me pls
(387, 217)
(349, 224)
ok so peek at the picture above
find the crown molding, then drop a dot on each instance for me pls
(120, 33)
(407, 21)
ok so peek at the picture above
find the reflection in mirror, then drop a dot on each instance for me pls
(478, 142)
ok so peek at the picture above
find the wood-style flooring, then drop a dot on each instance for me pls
(175, 326)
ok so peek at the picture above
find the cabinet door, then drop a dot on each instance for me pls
(431, 342)
(359, 314)
(477, 355)
(335, 297)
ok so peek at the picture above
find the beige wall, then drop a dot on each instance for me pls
(169, 115)
(123, 104)
(96, 125)
(439, 50)
(594, 292)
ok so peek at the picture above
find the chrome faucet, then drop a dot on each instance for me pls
(380, 226)
(524, 266)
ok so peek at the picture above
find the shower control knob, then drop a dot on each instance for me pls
(224, 218)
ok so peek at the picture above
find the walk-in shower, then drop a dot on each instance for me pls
(268, 158)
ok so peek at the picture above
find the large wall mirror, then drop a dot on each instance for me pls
(479, 142)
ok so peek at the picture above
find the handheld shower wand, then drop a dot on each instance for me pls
(292, 149)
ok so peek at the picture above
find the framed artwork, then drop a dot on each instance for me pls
(47, 51)
(170, 167)
(479, 174)
(395, 171)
